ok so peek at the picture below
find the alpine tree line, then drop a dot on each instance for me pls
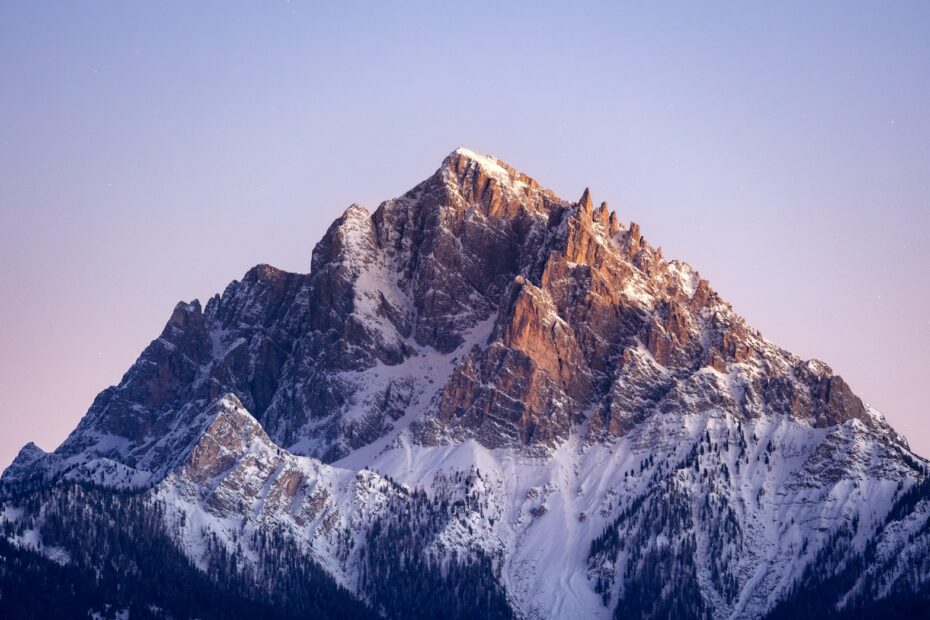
(405, 568)
(839, 566)
(121, 558)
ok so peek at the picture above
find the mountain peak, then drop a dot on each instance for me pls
(488, 162)
(470, 170)
(479, 320)
(230, 432)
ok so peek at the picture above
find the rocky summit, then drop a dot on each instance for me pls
(483, 400)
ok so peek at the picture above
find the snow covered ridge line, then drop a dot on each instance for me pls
(484, 401)
(237, 483)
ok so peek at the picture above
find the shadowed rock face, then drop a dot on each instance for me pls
(234, 466)
(591, 325)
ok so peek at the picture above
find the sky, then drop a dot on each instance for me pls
(153, 152)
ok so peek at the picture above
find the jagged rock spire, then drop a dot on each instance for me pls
(614, 224)
(585, 205)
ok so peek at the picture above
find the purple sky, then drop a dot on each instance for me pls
(151, 152)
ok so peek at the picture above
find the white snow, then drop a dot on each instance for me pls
(429, 369)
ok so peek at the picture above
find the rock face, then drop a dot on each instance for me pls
(545, 352)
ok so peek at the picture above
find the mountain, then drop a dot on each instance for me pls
(482, 401)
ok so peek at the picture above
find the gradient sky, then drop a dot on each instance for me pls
(152, 152)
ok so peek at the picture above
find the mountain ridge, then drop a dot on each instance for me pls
(565, 416)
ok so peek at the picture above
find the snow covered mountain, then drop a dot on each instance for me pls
(482, 401)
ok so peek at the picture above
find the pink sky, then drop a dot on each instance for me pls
(151, 154)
